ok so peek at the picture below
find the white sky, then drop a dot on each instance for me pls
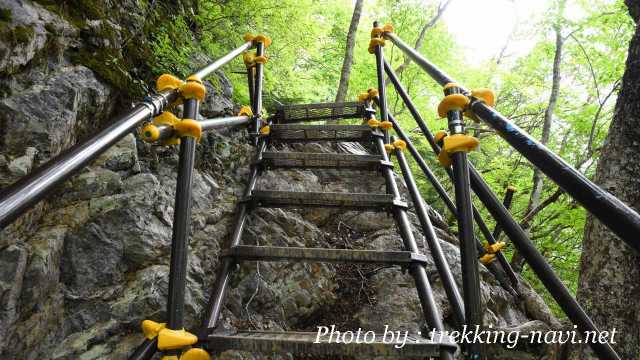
(483, 27)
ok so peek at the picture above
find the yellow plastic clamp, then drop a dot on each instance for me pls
(388, 28)
(188, 128)
(487, 258)
(449, 86)
(248, 37)
(373, 123)
(261, 59)
(453, 102)
(167, 119)
(265, 130)
(263, 39)
(388, 147)
(486, 96)
(169, 357)
(249, 59)
(193, 89)
(151, 329)
(375, 42)
(512, 188)
(175, 339)
(386, 125)
(400, 145)
(245, 111)
(150, 133)
(456, 143)
(195, 354)
(376, 32)
(363, 97)
(168, 82)
(495, 247)
(439, 136)
(373, 92)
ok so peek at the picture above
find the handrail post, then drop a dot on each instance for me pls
(448, 282)
(379, 53)
(468, 250)
(508, 199)
(257, 92)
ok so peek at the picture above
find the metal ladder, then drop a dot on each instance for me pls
(286, 128)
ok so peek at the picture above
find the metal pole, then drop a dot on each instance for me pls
(448, 282)
(217, 123)
(468, 250)
(436, 148)
(615, 214)
(146, 350)
(508, 199)
(492, 267)
(216, 300)
(251, 84)
(223, 60)
(181, 224)
(382, 103)
(257, 92)
(19, 197)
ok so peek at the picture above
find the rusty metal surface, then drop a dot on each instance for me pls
(360, 201)
(283, 159)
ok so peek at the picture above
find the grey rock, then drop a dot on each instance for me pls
(22, 165)
(122, 156)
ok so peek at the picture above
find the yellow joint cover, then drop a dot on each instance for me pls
(376, 41)
(512, 188)
(188, 128)
(400, 145)
(168, 82)
(150, 329)
(175, 339)
(453, 102)
(371, 49)
(194, 78)
(193, 90)
(363, 97)
(373, 123)
(439, 136)
(261, 59)
(246, 111)
(263, 39)
(487, 96)
(265, 130)
(150, 133)
(389, 147)
(388, 28)
(376, 31)
(248, 37)
(249, 59)
(169, 357)
(373, 92)
(386, 125)
(456, 143)
(449, 86)
(487, 258)
(166, 118)
(495, 247)
(195, 354)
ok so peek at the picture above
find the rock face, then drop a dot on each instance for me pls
(81, 270)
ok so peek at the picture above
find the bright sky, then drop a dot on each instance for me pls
(483, 27)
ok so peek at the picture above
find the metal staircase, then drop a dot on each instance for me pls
(287, 130)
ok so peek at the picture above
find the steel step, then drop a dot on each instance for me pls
(308, 133)
(352, 201)
(287, 114)
(304, 343)
(282, 159)
(268, 253)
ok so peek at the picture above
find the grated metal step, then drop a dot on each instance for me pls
(307, 133)
(313, 112)
(304, 343)
(352, 201)
(269, 253)
(281, 159)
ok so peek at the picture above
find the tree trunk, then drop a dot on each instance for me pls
(517, 261)
(343, 86)
(609, 284)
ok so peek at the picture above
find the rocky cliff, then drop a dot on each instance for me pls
(81, 270)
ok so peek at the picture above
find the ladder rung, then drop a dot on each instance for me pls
(322, 111)
(269, 253)
(306, 133)
(352, 201)
(282, 159)
(269, 342)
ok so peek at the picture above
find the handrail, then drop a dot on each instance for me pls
(611, 211)
(23, 194)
